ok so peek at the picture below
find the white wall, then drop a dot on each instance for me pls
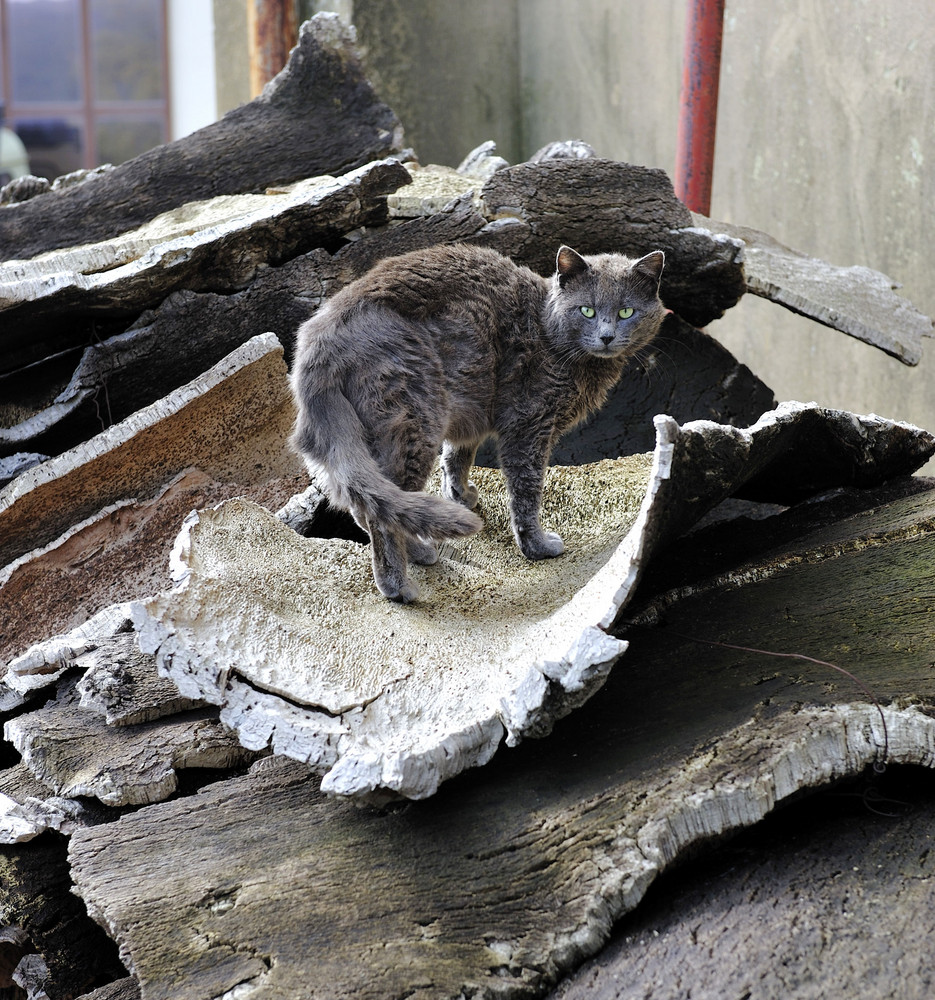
(192, 87)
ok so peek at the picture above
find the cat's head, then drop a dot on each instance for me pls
(606, 305)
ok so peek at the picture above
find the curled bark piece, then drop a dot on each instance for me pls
(208, 422)
(394, 701)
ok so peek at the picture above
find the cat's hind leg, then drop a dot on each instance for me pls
(407, 461)
(390, 553)
(456, 463)
(421, 551)
(409, 467)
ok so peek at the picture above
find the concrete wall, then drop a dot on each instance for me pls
(603, 71)
(448, 70)
(231, 54)
(826, 137)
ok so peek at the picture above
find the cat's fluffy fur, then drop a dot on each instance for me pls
(441, 348)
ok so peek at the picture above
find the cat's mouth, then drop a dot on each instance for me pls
(608, 351)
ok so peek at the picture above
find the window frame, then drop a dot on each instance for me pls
(88, 111)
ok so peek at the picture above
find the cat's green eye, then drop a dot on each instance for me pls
(587, 312)
(626, 313)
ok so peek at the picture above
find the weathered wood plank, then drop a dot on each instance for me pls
(510, 877)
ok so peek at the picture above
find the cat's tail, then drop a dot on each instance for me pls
(331, 437)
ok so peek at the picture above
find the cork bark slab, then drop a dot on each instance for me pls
(830, 897)
(217, 244)
(210, 422)
(511, 876)
(289, 637)
(855, 300)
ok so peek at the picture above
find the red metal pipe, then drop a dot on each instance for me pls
(701, 69)
(272, 29)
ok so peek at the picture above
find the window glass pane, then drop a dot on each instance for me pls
(54, 145)
(45, 50)
(127, 48)
(120, 139)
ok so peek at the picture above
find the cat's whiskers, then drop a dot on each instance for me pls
(563, 356)
(654, 361)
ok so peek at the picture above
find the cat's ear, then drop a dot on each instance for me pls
(651, 266)
(569, 264)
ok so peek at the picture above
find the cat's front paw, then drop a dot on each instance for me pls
(540, 545)
(394, 585)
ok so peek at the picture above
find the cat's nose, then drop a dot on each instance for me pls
(607, 338)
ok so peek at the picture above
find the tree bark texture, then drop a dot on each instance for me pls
(506, 880)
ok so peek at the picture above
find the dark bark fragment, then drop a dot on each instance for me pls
(35, 895)
(601, 206)
(219, 245)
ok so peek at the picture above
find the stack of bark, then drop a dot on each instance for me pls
(164, 825)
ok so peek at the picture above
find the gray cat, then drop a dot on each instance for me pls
(440, 349)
